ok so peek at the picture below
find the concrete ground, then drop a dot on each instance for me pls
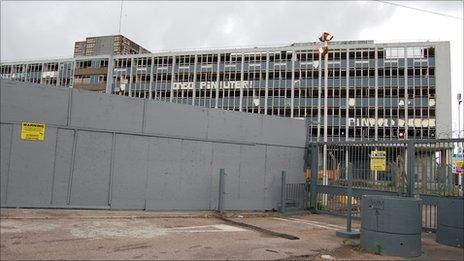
(86, 234)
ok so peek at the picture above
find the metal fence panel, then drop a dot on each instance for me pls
(130, 172)
(251, 178)
(90, 177)
(94, 110)
(30, 175)
(221, 155)
(164, 174)
(196, 174)
(421, 168)
(62, 171)
(5, 145)
(35, 106)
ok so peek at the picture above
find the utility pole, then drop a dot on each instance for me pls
(325, 38)
(459, 97)
(461, 149)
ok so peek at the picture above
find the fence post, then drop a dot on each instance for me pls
(314, 173)
(283, 192)
(410, 168)
(222, 174)
(350, 194)
(348, 233)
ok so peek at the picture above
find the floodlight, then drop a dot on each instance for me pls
(325, 37)
(328, 36)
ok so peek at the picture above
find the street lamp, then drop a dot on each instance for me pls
(325, 38)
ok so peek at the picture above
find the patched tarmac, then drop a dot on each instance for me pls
(87, 234)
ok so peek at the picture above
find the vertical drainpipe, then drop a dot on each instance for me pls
(130, 77)
(241, 85)
(73, 72)
(266, 86)
(27, 74)
(292, 91)
(109, 75)
(172, 78)
(408, 155)
(376, 109)
(319, 99)
(347, 120)
(376, 82)
(57, 75)
(217, 81)
(41, 73)
(150, 87)
(406, 95)
(194, 79)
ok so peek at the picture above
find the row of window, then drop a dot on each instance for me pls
(386, 133)
(286, 75)
(336, 54)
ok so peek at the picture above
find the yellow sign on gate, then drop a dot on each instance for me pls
(378, 160)
(32, 131)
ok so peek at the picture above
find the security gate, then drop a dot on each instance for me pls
(413, 168)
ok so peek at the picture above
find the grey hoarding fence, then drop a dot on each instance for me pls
(109, 152)
(419, 168)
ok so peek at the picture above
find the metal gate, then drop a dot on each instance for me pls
(413, 168)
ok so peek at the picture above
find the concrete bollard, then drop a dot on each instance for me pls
(450, 221)
(391, 225)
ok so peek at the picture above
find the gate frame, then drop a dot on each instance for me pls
(312, 161)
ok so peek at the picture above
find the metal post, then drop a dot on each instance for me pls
(459, 115)
(314, 172)
(410, 168)
(460, 177)
(222, 174)
(349, 175)
(326, 93)
(349, 233)
(283, 192)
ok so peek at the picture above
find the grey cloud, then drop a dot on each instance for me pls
(49, 29)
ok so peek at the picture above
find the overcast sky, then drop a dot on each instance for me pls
(35, 30)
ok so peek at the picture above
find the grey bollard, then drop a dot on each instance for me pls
(391, 225)
(222, 174)
(283, 192)
(450, 221)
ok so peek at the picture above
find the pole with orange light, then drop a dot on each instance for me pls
(325, 38)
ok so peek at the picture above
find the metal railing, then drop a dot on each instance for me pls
(294, 196)
(414, 168)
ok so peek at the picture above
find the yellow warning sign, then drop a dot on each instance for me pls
(32, 131)
(379, 160)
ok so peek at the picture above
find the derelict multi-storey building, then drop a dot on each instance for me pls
(375, 90)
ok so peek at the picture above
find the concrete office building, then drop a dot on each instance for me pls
(111, 44)
(375, 90)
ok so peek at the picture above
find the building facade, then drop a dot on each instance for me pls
(375, 90)
(111, 44)
(91, 76)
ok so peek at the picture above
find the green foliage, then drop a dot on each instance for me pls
(378, 249)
